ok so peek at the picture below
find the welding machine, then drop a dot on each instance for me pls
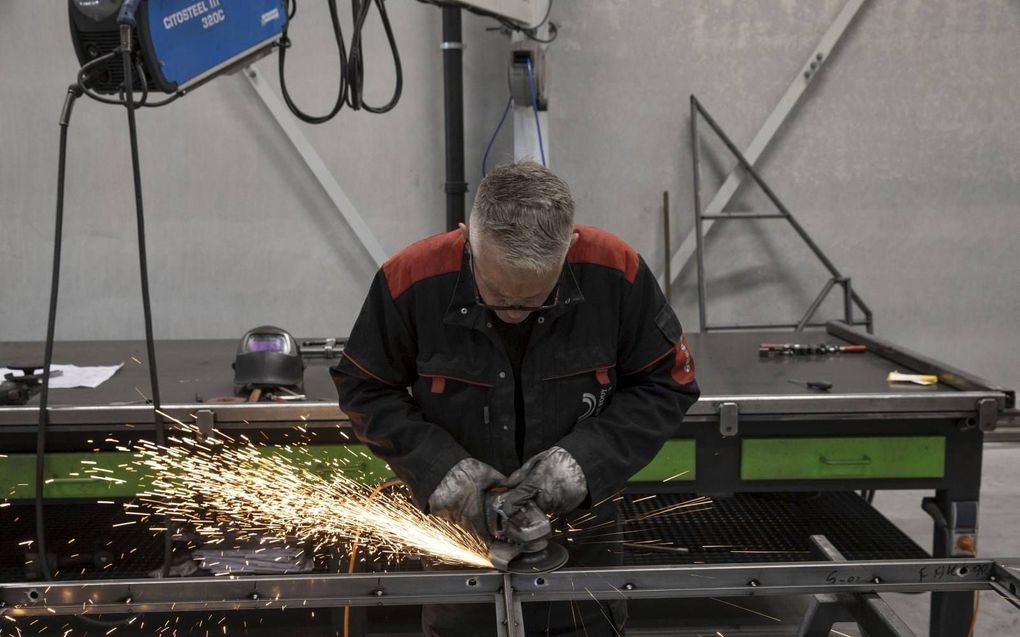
(179, 43)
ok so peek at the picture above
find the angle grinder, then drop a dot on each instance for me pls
(522, 533)
(18, 389)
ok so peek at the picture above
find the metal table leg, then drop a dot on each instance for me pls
(876, 619)
(955, 531)
(825, 610)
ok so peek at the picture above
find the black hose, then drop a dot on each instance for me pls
(285, 44)
(143, 267)
(73, 93)
(352, 63)
(127, 98)
(357, 59)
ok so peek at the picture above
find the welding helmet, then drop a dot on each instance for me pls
(268, 357)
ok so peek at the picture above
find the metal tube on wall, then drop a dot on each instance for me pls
(848, 301)
(453, 108)
(700, 239)
(665, 233)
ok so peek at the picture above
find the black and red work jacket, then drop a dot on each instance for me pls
(426, 381)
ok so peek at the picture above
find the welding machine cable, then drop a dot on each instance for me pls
(351, 63)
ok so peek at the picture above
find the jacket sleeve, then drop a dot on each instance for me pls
(656, 387)
(372, 380)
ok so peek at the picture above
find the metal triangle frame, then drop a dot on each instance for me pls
(850, 296)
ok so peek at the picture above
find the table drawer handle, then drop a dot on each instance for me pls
(836, 462)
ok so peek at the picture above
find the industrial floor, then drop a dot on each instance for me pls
(997, 536)
(1000, 518)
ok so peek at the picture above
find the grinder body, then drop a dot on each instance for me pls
(521, 531)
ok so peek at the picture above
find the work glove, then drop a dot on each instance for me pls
(460, 495)
(553, 479)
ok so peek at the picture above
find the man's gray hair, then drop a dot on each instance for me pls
(528, 212)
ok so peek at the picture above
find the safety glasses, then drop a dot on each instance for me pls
(511, 308)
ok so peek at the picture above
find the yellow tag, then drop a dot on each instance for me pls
(917, 379)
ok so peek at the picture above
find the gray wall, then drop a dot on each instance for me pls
(901, 160)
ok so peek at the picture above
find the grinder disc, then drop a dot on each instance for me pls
(548, 559)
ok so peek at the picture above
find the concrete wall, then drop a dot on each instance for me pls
(240, 234)
(901, 161)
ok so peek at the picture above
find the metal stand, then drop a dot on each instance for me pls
(805, 76)
(850, 297)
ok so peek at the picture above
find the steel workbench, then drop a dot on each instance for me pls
(753, 431)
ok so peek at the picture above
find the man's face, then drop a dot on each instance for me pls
(498, 285)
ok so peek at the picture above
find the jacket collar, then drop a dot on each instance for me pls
(570, 292)
(463, 308)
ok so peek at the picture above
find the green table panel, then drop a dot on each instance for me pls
(843, 457)
(113, 474)
(674, 462)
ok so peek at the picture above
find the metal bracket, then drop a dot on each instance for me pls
(205, 421)
(520, 81)
(316, 165)
(988, 414)
(1006, 581)
(323, 347)
(1009, 418)
(728, 419)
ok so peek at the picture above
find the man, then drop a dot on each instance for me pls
(533, 349)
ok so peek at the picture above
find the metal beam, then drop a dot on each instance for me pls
(244, 415)
(775, 120)
(435, 587)
(315, 164)
(1006, 581)
(955, 378)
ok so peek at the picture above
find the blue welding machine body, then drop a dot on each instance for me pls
(179, 43)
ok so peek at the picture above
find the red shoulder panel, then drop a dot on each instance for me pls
(604, 248)
(438, 254)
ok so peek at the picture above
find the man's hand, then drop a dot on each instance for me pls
(460, 496)
(553, 478)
